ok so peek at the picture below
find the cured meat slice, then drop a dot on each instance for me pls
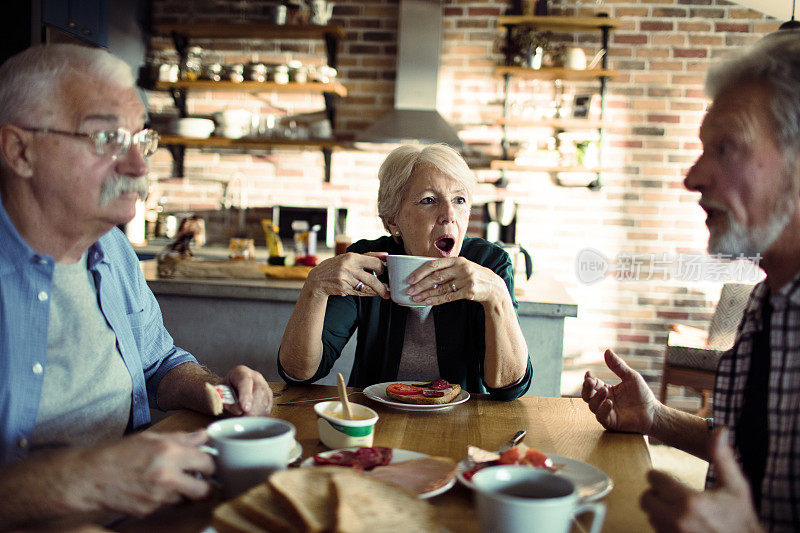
(418, 475)
(440, 384)
(362, 459)
(343, 458)
(369, 458)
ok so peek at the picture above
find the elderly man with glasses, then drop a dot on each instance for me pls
(83, 350)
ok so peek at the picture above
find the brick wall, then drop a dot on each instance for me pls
(653, 111)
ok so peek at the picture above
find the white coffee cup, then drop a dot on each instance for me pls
(519, 499)
(248, 449)
(400, 268)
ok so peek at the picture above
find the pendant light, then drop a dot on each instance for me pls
(790, 24)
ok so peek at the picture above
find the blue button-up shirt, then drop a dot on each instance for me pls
(126, 303)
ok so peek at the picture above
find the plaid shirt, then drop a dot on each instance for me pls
(780, 501)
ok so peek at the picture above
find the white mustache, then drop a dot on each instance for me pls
(118, 184)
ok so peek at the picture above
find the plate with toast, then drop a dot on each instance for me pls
(424, 399)
(424, 475)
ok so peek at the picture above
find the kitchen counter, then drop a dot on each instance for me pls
(227, 322)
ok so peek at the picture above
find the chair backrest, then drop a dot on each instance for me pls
(728, 314)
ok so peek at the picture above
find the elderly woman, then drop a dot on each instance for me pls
(466, 331)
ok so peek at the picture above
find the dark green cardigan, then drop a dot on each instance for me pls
(381, 326)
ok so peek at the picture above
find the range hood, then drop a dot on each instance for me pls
(414, 117)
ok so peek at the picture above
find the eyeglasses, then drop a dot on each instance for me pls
(114, 143)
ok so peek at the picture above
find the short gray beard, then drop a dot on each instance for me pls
(118, 184)
(738, 239)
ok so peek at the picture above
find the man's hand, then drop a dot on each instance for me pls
(672, 506)
(255, 396)
(138, 474)
(627, 406)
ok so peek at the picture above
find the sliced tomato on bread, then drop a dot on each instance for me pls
(403, 389)
(443, 392)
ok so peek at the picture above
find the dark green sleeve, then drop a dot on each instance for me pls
(515, 390)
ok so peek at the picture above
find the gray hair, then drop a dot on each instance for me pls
(775, 61)
(400, 164)
(35, 76)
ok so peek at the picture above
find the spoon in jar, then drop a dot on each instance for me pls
(347, 412)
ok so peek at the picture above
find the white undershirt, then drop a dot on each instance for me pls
(86, 394)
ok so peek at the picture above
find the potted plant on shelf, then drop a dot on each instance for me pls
(529, 48)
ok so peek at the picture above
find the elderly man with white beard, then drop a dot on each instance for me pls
(748, 177)
(83, 349)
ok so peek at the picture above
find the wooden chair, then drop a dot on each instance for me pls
(691, 354)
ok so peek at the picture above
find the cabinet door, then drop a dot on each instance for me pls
(87, 19)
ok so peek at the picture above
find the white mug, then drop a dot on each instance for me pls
(248, 449)
(519, 499)
(400, 268)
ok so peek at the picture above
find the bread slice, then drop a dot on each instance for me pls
(419, 399)
(260, 506)
(417, 475)
(227, 519)
(308, 492)
(366, 505)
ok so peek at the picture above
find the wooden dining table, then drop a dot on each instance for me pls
(562, 426)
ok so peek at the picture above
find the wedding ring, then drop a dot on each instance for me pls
(453, 286)
(359, 286)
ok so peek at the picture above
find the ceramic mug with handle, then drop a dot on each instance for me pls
(247, 450)
(519, 499)
(400, 268)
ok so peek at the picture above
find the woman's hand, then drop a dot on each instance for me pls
(455, 278)
(349, 274)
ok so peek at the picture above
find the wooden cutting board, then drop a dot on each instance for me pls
(194, 268)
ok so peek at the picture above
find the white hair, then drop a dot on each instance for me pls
(400, 164)
(775, 61)
(36, 74)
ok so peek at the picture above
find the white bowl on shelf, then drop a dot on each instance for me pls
(234, 117)
(195, 128)
(233, 132)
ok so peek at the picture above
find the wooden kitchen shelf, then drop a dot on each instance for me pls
(249, 143)
(511, 165)
(528, 23)
(557, 123)
(182, 34)
(254, 86)
(555, 73)
(559, 22)
(251, 31)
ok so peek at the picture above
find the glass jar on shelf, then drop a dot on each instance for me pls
(211, 72)
(192, 66)
(234, 73)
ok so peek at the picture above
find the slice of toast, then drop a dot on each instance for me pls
(227, 519)
(419, 399)
(366, 505)
(308, 492)
(260, 506)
